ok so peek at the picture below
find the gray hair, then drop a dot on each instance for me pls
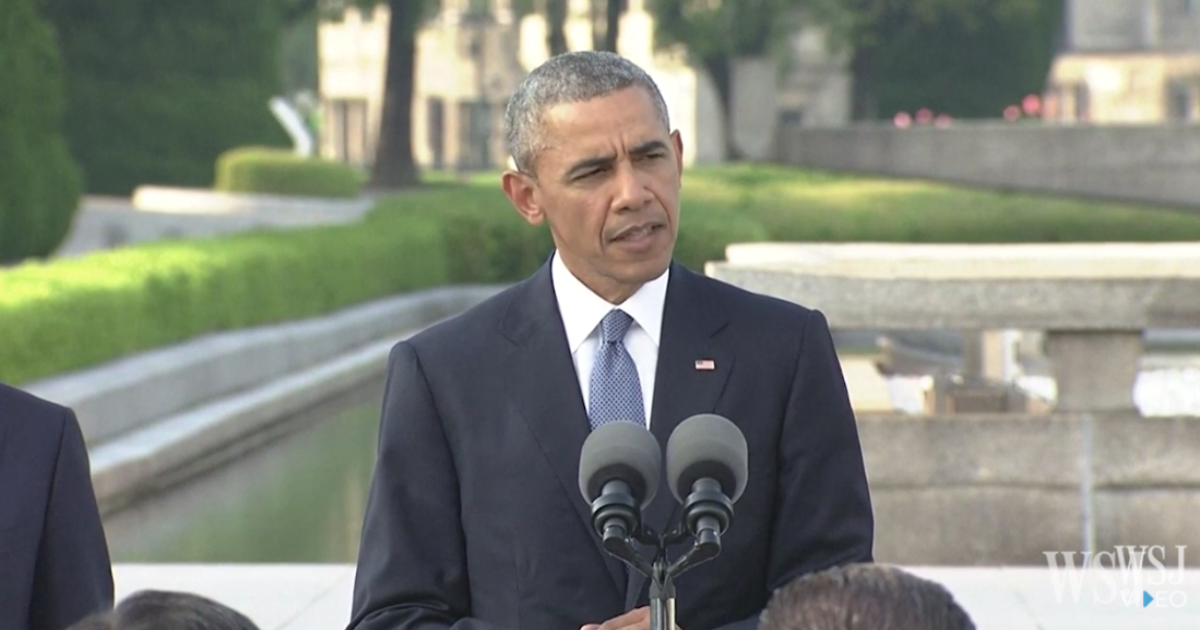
(571, 77)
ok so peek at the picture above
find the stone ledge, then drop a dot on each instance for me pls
(134, 392)
(204, 201)
(977, 287)
(161, 454)
(964, 304)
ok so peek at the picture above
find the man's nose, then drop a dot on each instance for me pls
(631, 190)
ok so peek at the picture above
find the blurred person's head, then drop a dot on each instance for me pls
(596, 160)
(167, 610)
(863, 597)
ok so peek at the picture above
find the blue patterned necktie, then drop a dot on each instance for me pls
(616, 391)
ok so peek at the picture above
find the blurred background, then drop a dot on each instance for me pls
(217, 216)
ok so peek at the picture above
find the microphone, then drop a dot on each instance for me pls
(706, 470)
(619, 469)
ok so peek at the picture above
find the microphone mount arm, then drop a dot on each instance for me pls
(707, 513)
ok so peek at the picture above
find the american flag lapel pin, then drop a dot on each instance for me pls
(705, 365)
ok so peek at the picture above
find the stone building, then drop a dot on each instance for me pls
(474, 53)
(1127, 61)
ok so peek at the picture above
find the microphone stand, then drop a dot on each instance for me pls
(706, 506)
(661, 571)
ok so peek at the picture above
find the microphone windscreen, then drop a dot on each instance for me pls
(707, 445)
(622, 451)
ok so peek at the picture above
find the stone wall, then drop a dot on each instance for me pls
(1004, 489)
(1142, 164)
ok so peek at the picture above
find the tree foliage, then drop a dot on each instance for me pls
(965, 57)
(715, 32)
(39, 181)
(711, 29)
(157, 90)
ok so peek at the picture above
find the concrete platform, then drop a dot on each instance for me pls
(157, 213)
(149, 418)
(317, 597)
(1101, 287)
(1093, 301)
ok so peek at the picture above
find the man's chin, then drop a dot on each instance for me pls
(648, 270)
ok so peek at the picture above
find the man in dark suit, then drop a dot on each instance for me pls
(54, 562)
(475, 520)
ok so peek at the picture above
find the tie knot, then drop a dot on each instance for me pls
(614, 326)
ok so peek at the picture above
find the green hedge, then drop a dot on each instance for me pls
(281, 172)
(39, 182)
(72, 313)
(161, 293)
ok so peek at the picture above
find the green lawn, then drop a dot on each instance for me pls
(799, 205)
(68, 314)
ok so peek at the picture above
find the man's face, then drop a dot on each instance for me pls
(608, 184)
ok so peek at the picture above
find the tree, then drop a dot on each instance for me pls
(716, 32)
(157, 90)
(39, 182)
(606, 23)
(556, 21)
(965, 57)
(395, 165)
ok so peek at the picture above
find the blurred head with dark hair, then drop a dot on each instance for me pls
(167, 610)
(864, 597)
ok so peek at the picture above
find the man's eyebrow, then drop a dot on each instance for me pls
(640, 150)
(646, 148)
(590, 163)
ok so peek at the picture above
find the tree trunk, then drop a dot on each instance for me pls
(394, 165)
(612, 24)
(556, 18)
(865, 100)
(718, 68)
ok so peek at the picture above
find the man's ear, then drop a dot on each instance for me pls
(677, 141)
(520, 189)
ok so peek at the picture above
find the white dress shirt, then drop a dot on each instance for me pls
(582, 310)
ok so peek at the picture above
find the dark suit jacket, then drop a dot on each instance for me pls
(475, 520)
(54, 562)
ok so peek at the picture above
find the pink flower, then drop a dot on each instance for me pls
(1031, 104)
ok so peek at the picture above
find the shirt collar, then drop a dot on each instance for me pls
(582, 310)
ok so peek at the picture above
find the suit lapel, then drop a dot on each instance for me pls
(681, 387)
(545, 388)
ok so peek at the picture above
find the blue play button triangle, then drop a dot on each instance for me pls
(1146, 599)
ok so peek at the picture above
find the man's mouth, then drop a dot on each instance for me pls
(637, 233)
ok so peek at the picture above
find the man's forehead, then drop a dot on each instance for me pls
(627, 106)
(589, 129)
(568, 152)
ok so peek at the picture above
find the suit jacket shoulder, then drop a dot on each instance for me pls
(743, 304)
(49, 523)
(464, 331)
(29, 422)
(773, 328)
